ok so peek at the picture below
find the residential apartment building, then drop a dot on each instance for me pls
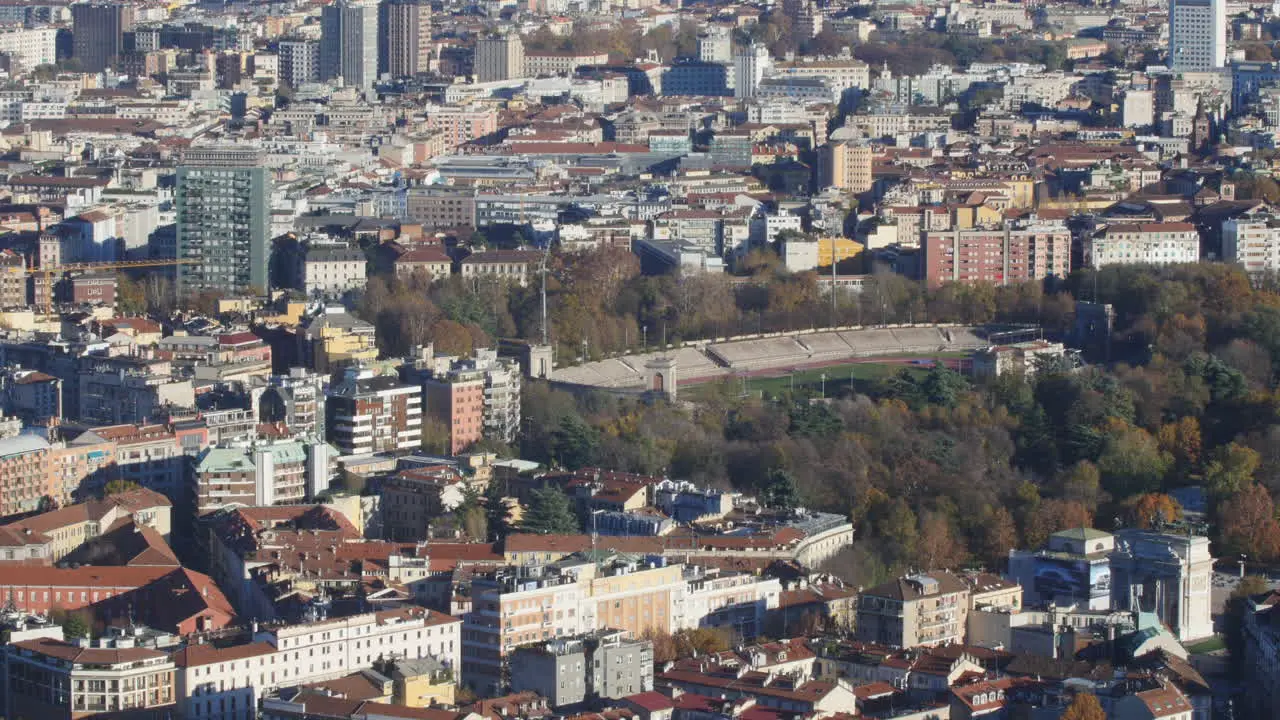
(846, 165)
(715, 45)
(299, 61)
(736, 602)
(331, 271)
(30, 47)
(13, 280)
(125, 389)
(841, 73)
(1252, 242)
(1197, 35)
(50, 536)
(288, 472)
(1261, 630)
(1144, 244)
(349, 43)
(334, 339)
(795, 88)
(223, 201)
(24, 473)
(429, 260)
(448, 207)
(52, 678)
(226, 682)
(473, 397)
(461, 124)
(458, 402)
(737, 684)
(97, 31)
(922, 609)
(569, 671)
(499, 58)
(32, 396)
(414, 498)
(297, 400)
(718, 233)
(513, 266)
(404, 42)
(560, 63)
(1002, 256)
(512, 607)
(367, 414)
(516, 606)
(155, 457)
(632, 596)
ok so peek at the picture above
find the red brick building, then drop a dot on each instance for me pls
(93, 290)
(173, 599)
(1000, 256)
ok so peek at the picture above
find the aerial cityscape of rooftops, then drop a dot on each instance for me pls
(639, 360)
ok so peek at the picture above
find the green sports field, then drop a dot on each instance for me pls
(862, 377)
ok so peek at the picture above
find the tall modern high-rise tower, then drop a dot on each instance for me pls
(97, 33)
(750, 64)
(349, 42)
(1197, 34)
(499, 58)
(223, 202)
(405, 37)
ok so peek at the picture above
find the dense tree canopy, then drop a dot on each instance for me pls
(549, 513)
(937, 469)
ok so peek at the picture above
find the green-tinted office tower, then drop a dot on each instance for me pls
(224, 221)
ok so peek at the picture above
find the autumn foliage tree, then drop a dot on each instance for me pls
(933, 468)
(1247, 525)
(1151, 510)
(1084, 706)
(1051, 516)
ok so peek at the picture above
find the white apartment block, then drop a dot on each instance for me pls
(1045, 90)
(738, 602)
(840, 73)
(1144, 244)
(43, 111)
(750, 65)
(1252, 242)
(765, 228)
(331, 271)
(225, 683)
(1138, 108)
(557, 63)
(30, 47)
(527, 604)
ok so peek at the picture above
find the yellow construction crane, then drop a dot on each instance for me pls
(48, 271)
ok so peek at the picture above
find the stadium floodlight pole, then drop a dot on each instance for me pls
(543, 270)
(833, 281)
